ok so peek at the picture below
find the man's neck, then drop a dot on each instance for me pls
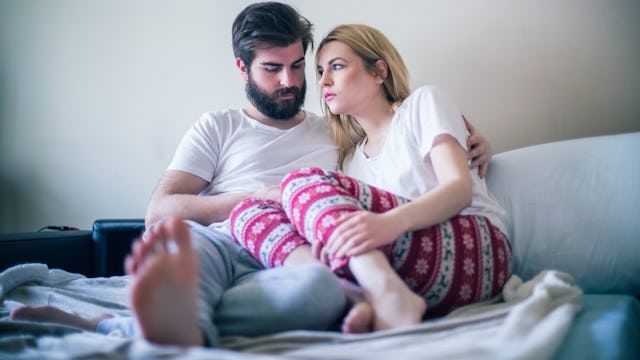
(282, 124)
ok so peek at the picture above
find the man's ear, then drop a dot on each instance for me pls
(382, 69)
(243, 69)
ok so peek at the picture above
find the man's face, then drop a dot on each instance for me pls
(276, 83)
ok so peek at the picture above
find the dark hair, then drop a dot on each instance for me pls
(268, 24)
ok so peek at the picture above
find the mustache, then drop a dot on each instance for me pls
(285, 91)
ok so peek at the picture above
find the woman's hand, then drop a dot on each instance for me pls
(319, 251)
(362, 231)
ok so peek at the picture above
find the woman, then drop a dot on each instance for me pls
(424, 233)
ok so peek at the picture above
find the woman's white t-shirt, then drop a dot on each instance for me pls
(403, 166)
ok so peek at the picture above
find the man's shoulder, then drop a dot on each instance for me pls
(221, 118)
(315, 119)
(224, 114)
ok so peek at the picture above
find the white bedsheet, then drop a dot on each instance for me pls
(529, 322)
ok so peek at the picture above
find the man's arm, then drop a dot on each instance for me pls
(480, 151)
(177, 194)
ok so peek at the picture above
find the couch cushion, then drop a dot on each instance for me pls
(574, 206)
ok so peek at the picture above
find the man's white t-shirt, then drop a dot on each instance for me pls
(403, 166)
(236, 153)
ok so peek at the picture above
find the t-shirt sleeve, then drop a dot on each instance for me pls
(198, 151)
(433, 113)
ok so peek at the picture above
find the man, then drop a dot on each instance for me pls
(192, 282)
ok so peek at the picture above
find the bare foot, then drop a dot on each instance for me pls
(50, 314)
(164, 290)
(359, 319)
(396, 305)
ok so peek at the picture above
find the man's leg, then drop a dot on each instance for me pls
(238, 297)
(295, 297)
(257, 303)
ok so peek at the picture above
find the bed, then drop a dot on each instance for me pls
(575, 231)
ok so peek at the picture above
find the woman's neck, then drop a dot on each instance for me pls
(375, 122)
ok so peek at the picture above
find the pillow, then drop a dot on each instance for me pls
(574, 206)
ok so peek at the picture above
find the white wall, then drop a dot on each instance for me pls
(95, 95)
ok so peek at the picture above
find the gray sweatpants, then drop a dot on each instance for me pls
(237, 296)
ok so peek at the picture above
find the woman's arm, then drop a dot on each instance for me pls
(449, 198)
(363, 231)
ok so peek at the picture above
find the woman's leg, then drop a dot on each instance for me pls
(461, 261)
(313, 199)
(458, 262)
(394, 304)
(264, 230)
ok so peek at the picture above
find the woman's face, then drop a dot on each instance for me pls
(347, 86)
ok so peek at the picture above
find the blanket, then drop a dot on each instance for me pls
(528, 321)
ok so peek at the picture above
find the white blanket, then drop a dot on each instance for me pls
(529, 322)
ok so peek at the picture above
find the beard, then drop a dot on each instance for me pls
(270, 105)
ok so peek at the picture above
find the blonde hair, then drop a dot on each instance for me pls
(370, 45)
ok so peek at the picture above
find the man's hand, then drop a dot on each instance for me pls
(271, 193)
(479, 149)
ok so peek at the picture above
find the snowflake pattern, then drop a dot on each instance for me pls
(411, 283)
(468, 241)
(469, 266)
(257, 228)
(327, 221)
(288, 247)
(427, 244)
(385, 203)
(465, 292)
(501, 255)
(422, 266)
(304, 198)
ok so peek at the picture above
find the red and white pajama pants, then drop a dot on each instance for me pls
(458, 262)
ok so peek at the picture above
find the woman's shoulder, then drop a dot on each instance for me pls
(427, 91)
(428, 97)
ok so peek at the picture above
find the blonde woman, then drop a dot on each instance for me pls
(407, 219)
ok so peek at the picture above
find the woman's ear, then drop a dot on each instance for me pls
(382, 70)
(243, 69)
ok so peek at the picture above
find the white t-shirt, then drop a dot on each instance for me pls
(236, 153)
(403, 166)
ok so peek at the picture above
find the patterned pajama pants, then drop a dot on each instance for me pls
(458, 262)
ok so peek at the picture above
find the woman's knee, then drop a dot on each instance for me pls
(248, 209)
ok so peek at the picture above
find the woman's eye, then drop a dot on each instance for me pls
(336, 66)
